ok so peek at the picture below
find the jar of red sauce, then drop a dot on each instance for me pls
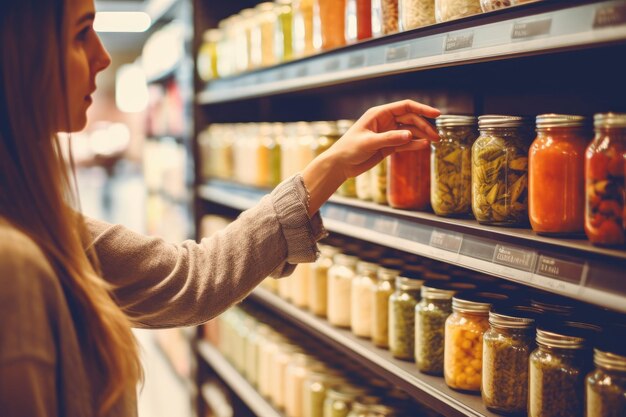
(605, 215)
(408, 178)
(556, 161)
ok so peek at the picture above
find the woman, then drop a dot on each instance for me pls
(70, 287)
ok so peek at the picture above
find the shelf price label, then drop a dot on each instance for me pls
(332, 65)
(611, 15)
(523, 30)
(356, 60)
(456, 41)
(558, 275)
(515, 258)
(385, 225)
(397, 53)
(446, 240)
(302, 71)
(356, 219)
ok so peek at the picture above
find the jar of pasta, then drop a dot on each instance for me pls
(455, 9)
(605, 161)
(318, 283)
(385, 286)
(402, 315)
(606, 385)
(558, 368)
(207, 55)
(506, 348)
(430, 319)
(556, 162)
(361, 304)
(500, 170)
(408, 180)
(332, 21)
(340, 277)
(463, 346)
(283, 37)
(451, 162)
(358, 20)
(389, 16)
(306, 31)
(416, 13)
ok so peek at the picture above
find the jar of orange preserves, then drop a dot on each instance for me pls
(556, 161)
(408, 179)
(605, 165)
(333, 22)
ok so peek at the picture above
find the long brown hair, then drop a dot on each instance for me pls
(37, 195)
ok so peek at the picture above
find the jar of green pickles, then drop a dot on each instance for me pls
(500, 170)
(318, 282)
(451, 159)
(385, 286)
(340, 277)
(402, 315)
(361, 303)
(339, 400)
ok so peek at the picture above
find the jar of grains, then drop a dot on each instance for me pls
(318, 282)
(384, 287)
(455, 9)
(402, 315)
(361, 304)
(340, 277)
(416, 13)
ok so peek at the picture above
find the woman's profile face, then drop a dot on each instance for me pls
(86, 57)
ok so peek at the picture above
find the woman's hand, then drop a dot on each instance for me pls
(382, 130)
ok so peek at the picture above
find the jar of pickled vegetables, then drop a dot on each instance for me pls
(307, 38)
(361, 304)
(606, 385)
(430, 319)
(416, 13)
(385, 286)
(507, 347)
(340, 277)
(463, 346)
(451, 159)
(455, 9)
(500, 170)
(207, 55)
(557, 370)
(605, 214)
(402, 315)
(408, 180)
(358, 20)
(318, 283)
(556, 162)
(283, 37)
(332, 22)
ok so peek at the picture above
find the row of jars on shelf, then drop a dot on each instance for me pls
(276, 32)
(300, 376)
(465, 327)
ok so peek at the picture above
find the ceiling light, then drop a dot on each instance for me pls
(122, 22)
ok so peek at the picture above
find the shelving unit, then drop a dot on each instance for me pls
(550, 56)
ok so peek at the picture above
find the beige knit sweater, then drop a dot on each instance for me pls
(44, 371)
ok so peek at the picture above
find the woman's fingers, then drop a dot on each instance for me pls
(399, 108)
(418, 121)
(414, 145)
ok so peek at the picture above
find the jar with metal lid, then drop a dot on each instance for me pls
(556, 162)
(463, 346)
(207, 55)
(340, 277)
(455, 9)
(358, 20)
(605, 162)
(558, 368)
(316, 384)
(500, 170)
(606, 385)
(307, 38)
(491, 5)
(318, 283)
(385, 286)
(361, 293)
(332, 23)
(506, 348)
(295, 375)
(430, 322)
(416, 13)
(402, 315)
(408, 180)
(451, 165)
(339, 400)
(283, 36)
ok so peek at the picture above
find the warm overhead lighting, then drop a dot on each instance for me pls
(122, 22)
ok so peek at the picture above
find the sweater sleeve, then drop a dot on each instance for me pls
(159, 284)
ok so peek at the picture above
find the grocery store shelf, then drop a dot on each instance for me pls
(429, 390)
(570, 267)
(235, 381)
(530, 29)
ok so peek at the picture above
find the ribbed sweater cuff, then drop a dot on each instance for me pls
(290, 201)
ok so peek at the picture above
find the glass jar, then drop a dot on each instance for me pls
(274, 154)
(348, 188)
(506, 348)
(364, 406)
(363, 184)
(340, 277)
(556, 162)
(430, 320)
(300, 285)
(606, 385)
(281, 358)
(248, 17)
(408, 180)
(491, 5)
(455, 9)
(318, 283)
(385, 286)
(283, 38)
(500, 171)
(264, 143)
(332, 21)
(305, 141)
(379, 182)
(451, 165)
(266, 370)
(358, 20)
(402, 315)
(316, 384)
(307, 38)
(388, 16)
(361, 304)
(339, 399)
(463, 346)
(605, 217)
(416, 13)
(265, 29)
(557, 371)
(207, 55)
(296, 373)
(326, 134)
